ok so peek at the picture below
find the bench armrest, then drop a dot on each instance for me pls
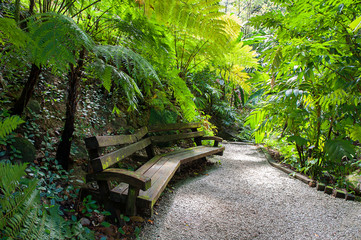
(132, 178)
(215, 138)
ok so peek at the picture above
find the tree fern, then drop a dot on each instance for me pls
(123, 67)
(55, 39)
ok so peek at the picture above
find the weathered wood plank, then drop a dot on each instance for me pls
(174, 126)
(122, 189)
(215, 138)
(200, 152)
(161, 179)
(130, 177)
(106, 141)
(110, 159)
(174, 137)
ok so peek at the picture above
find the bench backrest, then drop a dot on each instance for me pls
(165, 137)
(94, 144)
(137, 141)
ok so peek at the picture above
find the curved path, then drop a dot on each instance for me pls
(246, 198)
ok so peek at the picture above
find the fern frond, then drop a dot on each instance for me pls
(334, 98)
(355, 132)
(184, 97)
(256, 120)
(9, 124)
(123, 67)
(200, 18)
(56, 38)
(22, 216)
(11, 33)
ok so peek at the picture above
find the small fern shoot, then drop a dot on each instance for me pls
(9, 124)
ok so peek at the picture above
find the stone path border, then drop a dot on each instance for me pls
(312, 183)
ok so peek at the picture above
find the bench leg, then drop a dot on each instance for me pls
(133, 193)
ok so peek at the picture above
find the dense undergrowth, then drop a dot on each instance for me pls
(309, 105)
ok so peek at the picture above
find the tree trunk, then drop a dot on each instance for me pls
(63, 151)
(28, 90)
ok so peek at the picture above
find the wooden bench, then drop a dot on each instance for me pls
(142, 188)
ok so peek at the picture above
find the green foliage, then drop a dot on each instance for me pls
(356, 25)
(337, 149)
(312, 94)
(183, 96)
(23, 217)
(9, 124)
(123, 67)
(162, 117)
(55, 40)
(11, 33)
(89, 206)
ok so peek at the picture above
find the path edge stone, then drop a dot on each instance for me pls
(309, 181)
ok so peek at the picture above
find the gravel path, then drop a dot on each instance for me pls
(246, 198)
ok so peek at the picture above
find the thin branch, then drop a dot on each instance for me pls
(195, 53)
(82, 10)
(175, 48)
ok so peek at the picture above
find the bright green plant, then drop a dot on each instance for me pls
(9, 124)
(22, 216)
(312, 95)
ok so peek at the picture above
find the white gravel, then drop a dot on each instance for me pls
(246, 198)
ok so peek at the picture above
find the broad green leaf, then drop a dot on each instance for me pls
(356, 25)
(337, 149)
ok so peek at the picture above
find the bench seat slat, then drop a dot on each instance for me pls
(122, 189)
(174, 137)
(159, 176)
(161, 179)
(104, 162)
(174, 126)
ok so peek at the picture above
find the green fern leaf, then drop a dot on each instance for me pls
(355, 132)
(11, 33)
(55, 40)
(9, 124)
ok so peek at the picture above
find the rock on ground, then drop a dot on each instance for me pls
(246, 198)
